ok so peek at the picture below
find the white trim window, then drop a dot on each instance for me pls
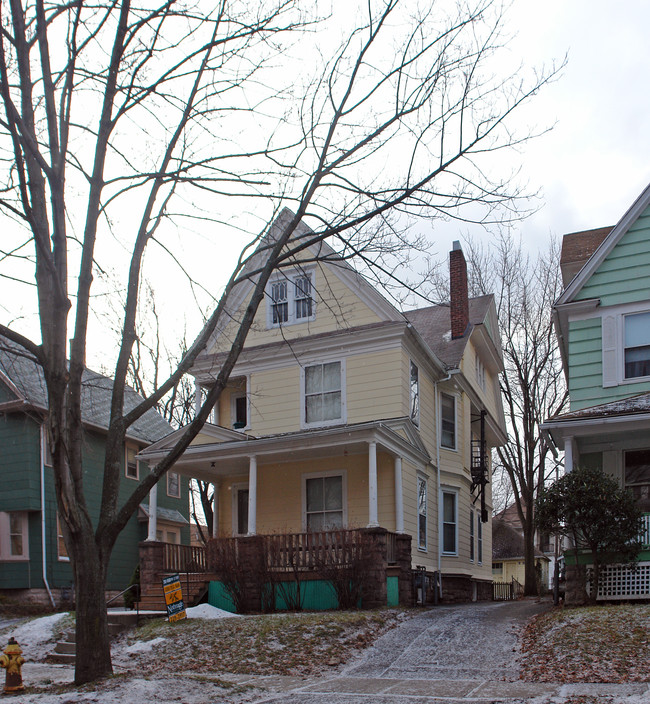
(422, 513)
(414, 388)
(480, 372)
(323, 394)
(14, 536)
(240, 508)
(471, 535)
(324, 501)
(173, 485)
(637, 345)
(61, 549)
(131, 465)
(448, 421)
(290, 299)
(239, 410)
(449, 514)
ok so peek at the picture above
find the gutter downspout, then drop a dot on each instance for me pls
(43, 531)
(450, 373)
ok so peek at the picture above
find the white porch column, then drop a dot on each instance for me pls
(399, 503)
(568, 454)
(252, 495)
(197, 397)
(215, 509)
(372, 485)
(153, 513)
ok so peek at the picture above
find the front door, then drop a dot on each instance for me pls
(241, 503)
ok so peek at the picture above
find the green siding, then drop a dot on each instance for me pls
(20, 476)
(624, 275)
(20, 461)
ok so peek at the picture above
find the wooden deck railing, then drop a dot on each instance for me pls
(184, 558)
(307, 551)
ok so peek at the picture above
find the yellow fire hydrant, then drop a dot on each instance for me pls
(12, 660)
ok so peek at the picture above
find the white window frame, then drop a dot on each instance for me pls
(480, 372)
(127, 449)
(178, 481)
(414, 396)
(448, 491)
(422, 482)
(455, 400)
(344, 493)
(60, 556)
(233, 407)
(472, 551)
(303, 407)
(5, 536)
(631, 379)
(291, 278)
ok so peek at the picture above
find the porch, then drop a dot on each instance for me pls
(619, 582)
(370, 567)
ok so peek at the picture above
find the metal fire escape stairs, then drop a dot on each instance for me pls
(479, 466)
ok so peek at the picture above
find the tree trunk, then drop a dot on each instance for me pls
(530, 575)
(93, 652)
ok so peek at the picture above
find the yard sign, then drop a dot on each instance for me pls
(174, 598)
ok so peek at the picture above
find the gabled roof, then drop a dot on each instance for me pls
(605, 247)
(434, 325)
(24, 378)
(507, 543)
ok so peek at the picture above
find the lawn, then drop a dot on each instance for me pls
(589, 644)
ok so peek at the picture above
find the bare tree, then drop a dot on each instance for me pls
(116, 118)
(533, 386)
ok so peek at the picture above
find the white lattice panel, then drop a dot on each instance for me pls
(624, 582)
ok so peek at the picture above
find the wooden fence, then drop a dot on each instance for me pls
(507, 591)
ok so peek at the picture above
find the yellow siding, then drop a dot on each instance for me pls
(337, 307)
(374, 386)
(279, 493)
(275, 401)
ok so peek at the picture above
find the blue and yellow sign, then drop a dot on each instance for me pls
(174, 598)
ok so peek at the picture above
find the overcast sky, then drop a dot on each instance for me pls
(596, 160)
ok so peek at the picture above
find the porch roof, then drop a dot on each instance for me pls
(607, 420)
(209, 460)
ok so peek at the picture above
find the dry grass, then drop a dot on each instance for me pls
(590, 644)
(280, 644)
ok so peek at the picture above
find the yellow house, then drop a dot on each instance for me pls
(343, 412)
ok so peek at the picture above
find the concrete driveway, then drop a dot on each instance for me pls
(464, 653)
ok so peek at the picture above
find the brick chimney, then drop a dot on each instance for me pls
(458, 294)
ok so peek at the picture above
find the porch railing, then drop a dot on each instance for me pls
(645, 531)
(184, 558)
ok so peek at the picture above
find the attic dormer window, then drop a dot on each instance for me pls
(291, 299)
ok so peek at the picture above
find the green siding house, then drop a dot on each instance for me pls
(33, 557)
(602, 320)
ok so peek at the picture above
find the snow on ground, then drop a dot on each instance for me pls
(36, 637)
(142, 646)
(208, 612)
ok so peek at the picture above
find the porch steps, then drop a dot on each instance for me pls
(193, 586)
(118, 621)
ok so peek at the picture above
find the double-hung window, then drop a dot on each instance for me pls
(637, 476)
(637, 345)
(449, 523)
(448, 421)
(415, 394)
(291, 299)
(323, 394)
(14, 541)
(173, 485)
(471, 535)
(324, 504)
(422, 513)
